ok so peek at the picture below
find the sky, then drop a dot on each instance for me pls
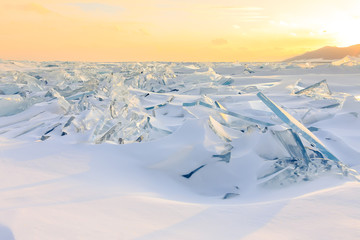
(173, 30)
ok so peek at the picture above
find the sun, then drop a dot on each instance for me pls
(348, 37)
(344, 30)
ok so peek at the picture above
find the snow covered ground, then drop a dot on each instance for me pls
(179, 150)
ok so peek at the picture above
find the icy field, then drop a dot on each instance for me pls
(179, 150)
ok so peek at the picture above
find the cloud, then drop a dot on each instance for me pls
(245, 9)
(93, 7)
(219, 41)
(243, 14)
(34, 8)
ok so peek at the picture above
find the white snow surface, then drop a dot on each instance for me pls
(164, 150)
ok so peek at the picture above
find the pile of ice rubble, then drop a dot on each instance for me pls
(226, 127)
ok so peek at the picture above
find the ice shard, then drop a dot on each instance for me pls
(318, 90)
(11, 104)
(160, 105)
(292, 166)
(226, 81)
(223, 116)
(223, 157)
(293, 144)
(45, 135)
(66, 126)
(230, 195)
(188, 175)
(297, 126)
(227, 112)
(218, 129)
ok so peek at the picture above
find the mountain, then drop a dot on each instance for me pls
(329, 53)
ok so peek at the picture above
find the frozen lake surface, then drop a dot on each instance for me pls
(179, 150)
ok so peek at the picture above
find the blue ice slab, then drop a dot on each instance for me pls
(66, 125)
(156, 106)
(230, 195)
(316, 87)
(245, 118)
(297, 126)
(226, 82)
(192, 172)
(224, 157)
(52, 128)
(332, 105)
(69, 121)
(161, 105)
(293, 144)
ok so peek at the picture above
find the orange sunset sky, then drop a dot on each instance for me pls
(173, 30)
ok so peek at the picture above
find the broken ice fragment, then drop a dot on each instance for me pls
(292, 143)
(161, 105)
(282, 172)
(218, 129)
(53, 94)
(69, 121)
(244, 118)
(224, 157)
(43, 138)
(248, 69)
(296, 126)
(139, 139)
(226, 81)
(62, 102)
(192, 172)
(67, 124)
(317, 90)
(223, 116)
(52, 129)
(11, 104)
(230, 195)
(332, 105)
(156, 106)
(107, 135)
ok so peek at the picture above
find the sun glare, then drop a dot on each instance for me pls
(345, 31)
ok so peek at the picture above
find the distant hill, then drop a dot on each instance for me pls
(329, 53)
